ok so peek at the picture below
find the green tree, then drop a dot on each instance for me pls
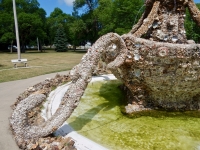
(7, 29)
(87, 8)
(30, 27)
(56, 18)
(60, 40)
(87, 5)
(76, 30)
(192, 30)
(31, 21)
(126, 13)
(105, 14)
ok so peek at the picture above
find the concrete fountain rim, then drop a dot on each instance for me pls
(51, 105)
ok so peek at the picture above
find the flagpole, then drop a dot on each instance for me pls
(16, 30)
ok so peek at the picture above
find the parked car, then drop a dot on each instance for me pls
(14, 48)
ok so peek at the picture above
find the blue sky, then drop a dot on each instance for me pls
(64, 5)
(48, 5)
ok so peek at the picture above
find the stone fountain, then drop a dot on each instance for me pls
(154, 56)
(160, 59)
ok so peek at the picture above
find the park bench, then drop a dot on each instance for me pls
(15, 61)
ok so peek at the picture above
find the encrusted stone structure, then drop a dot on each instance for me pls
(163, 61)
(155, 56)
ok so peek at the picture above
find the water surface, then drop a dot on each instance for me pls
(99, 117)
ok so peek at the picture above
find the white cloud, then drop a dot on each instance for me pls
(69, 2)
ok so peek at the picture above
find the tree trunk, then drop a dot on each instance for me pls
(11, 48)
(22, 48)
(74, 47)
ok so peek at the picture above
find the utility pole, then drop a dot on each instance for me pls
(16, 30)
(19, 60)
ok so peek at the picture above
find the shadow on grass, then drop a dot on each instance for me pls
(35, 52)
(53, 51)
(46, 51)
(78, 50)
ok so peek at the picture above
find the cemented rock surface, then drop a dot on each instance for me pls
(155, 56)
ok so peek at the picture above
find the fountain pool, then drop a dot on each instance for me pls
(99, 117)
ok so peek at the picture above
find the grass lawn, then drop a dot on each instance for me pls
(38, 63)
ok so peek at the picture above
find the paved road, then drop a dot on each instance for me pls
(9, 91)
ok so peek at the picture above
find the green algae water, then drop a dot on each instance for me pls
(99, 118)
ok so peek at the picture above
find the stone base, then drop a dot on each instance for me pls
(141, 100)
(180, 101)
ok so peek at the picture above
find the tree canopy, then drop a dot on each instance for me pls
(192, 30)
(89, 20)
(31, 21)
